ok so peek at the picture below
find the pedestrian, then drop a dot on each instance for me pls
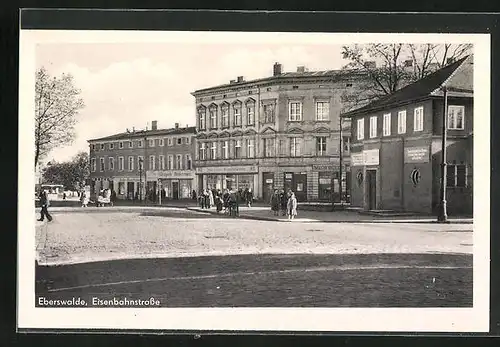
(218, 202)
(193, 194)
(292, 206)
(275, 202)
(249, 197)
(283, 202)
(45, 203)
(84, 199)
(211, 201)
(225, 199)
(201, 199)
(64, 195)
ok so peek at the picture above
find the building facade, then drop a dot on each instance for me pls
(278, 132)
(154, 164)
(396, 145)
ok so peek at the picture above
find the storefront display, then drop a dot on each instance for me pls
(325, 185)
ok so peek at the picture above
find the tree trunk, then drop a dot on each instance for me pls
(37, 154)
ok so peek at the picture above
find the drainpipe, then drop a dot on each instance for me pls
(442, 214)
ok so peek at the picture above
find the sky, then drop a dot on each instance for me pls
(127, 85)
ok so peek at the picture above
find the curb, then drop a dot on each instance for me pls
(270, 219)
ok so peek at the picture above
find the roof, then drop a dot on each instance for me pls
(146, 133)
(427, 87)
(286, 76)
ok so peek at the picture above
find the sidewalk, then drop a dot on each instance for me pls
(265, 214)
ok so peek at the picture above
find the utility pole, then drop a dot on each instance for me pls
(341, 159)
(442, 215)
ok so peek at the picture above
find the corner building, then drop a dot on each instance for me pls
(396, 145)
(278, 132)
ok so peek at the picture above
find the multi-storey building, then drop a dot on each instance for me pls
(278, 132)
(158, 160)
(396, 145)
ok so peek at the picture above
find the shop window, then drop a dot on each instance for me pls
(324, 185)
(121, 188)
(456, 175)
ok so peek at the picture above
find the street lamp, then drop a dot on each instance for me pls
(140, 177)
(442, 214)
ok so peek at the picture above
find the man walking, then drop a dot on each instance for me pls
(45, 203)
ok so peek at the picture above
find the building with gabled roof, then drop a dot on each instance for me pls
(396, 145)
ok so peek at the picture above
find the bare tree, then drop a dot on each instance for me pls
(57, 103)
(383, 69)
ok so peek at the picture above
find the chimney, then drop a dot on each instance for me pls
(177, 125)
(450, 61)
(133, 129)
(408, 63)
(301, 69)
(371, 64)
(154, 125)
(187, 126)
(232, 81)
(277, 69)
(240, 79)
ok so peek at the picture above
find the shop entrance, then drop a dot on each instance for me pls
(267, 185)
(371, 188)
(175, 190)
(130, 190)
(296, 182)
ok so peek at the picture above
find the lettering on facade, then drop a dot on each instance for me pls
(170, 174)
(357, 159)
(324, 167)
(226, 169)
(371, 157)
(417, 155)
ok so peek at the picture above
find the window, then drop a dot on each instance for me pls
(151, 143)
(92, 164)
(121, 163)
(225, 149)
(170, 163)
(161, 163)
(251, 115)
(250, 148)
(346, 142)
(386, 125)
(101, 164)
(322, 111)
(373, 127)
(178, 161)
(130, 163)
(188, 162)
(456, 175)
(268, 113)
(295, 144)
(111, 162)
(130, 144)
(402, 122)
(140, 162)
(179, 140)
(268, 148)
(161, 142)
(152, 162)
(203, 151)
(202, 119)
(139, 143)
(237, 148)
(418, 119)
(237, 116)
(321, 145)
(295, 111)
(213, 150)
(224, 117)
(361, 129)
(187, 140)
(120, 144)
(92, 147)
(213, 118)
(111, 146)
(456, 117)
(102, 146)
(169, 141)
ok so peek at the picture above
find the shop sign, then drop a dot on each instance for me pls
(417, 155)
(170, 174)
(325, 181)
(357, 159)
(227, 169)
(269, 180)
(371, 157)
(324, 167)
(288, 176)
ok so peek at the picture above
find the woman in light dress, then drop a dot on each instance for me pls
(292, 206)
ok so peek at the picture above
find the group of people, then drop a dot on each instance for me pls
(228, 200)
(284, 203)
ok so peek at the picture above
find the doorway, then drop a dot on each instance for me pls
(130, 190)
(267, 185)
(300, 186)
(175, 190)
(371, 188)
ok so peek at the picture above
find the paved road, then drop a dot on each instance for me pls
(188, 259)
(107, 234)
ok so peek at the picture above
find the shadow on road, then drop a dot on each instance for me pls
(278, 280)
